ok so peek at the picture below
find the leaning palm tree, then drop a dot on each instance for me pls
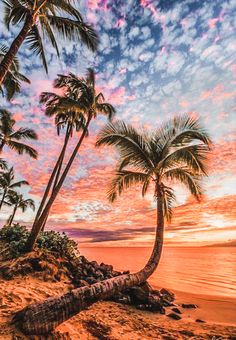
(7, 184)
(12, 81)
(80, 101)
(12, 138)
(18, 202)
(42, 19)
(177, 151)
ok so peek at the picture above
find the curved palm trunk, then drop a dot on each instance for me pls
(41, 318)
(12, 216)
(40, 222)
(53, 174)
(9, 56)
(2, 200)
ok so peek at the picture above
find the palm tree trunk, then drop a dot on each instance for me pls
(2, 200)
(40, 222)
(43, 317)
(53, 174)
(2, 142)
(12, 216)
(9, 56)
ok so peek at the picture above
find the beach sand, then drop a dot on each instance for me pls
(108, 320)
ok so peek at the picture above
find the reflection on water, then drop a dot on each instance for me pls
(194, 270)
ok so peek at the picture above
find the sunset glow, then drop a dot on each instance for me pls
(153, 62)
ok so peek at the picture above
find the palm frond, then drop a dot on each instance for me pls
(24, 133)
(75, 30)
(128, 141)
(21, 148)
(36, 45)
(124, 180)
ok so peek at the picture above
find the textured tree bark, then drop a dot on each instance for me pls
(2, 200)
(9, 56)
(34, 231)
(12, 216)
(40, 222)
(42, 318)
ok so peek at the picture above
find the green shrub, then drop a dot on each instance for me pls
(60, 244)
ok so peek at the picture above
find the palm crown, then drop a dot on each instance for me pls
(48, 18)
(12, 138)
(7, 184)
(12, 82)
(79, 100)
(177, 151)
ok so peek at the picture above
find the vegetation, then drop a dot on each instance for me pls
(74, 110)
(12, 138)
(60, 244)
(8, 186)
(18, 202)
(175, 151)
(12, 81)
(41, 20)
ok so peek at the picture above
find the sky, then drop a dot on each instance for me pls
(156, 59)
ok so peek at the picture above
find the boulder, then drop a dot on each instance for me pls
(188, 305)
(176, 310)
(174, 316)
(167, 295)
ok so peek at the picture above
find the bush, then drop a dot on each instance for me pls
(16, 236)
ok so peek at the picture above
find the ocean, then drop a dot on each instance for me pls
(199, 270)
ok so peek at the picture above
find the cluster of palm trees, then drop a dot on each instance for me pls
(14, 140)
(176, 152)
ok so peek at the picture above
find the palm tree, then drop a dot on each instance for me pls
(42, 19)
(12, 81)
(8, 185)
(80, 103)
(3, 164)
(19, 203)
(177, 151)
(12, 138)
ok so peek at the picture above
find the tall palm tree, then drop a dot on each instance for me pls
(12, 81)
(19, 202)
(176, 151)
(42, 19)
(80, 100)
(7, 184)
(12, 138)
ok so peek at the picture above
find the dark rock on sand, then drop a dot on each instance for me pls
(200, 321)
(189, 305)
(176, 310)
(174, 316)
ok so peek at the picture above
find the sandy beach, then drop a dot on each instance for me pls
(108, 320)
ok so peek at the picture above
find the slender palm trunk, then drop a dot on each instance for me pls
(54, 186)
(2, 142)
(9, 56)
(40, 222)
(12, 216)
(43, 317)
(53, 174)
(2, 200)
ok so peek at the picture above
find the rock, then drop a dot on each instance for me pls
(126, 272)
(105, 267)
(167, 303)
(140, 293)
(94, 264)
(99, 274)
(200, 321)
(176, 310)
(167, 295)
(188, 305)
(187, 333)
(174, 316)
(91, 280)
